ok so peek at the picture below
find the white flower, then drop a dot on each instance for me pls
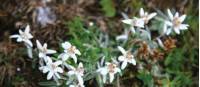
(24, 36)
(126, 58)
(175, 23)
(145, 16)
(111, 69)
(53, 69)
(69, 51)
(78, 72)
(137, 22)
(43, 51)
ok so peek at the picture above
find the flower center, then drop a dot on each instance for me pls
(72, 49)
(129, 55)
(24, 36)
(176, 22)
(111, 68)
(53, 66)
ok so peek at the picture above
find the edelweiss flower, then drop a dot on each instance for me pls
(127, 57)
(137, 22)
(145, 16)
(111, 69)
(24, 36)
(43, 51)
(175, 23)
(78, 72)
(53, 69)
(69, 51)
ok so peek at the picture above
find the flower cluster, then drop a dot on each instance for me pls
(58, 67)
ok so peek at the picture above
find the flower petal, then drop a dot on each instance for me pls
(122, 50)
(15, 36)
(182, 18)
(141, 12)
(128, 21)
(111, 75)
(27, 29)
(150, 16)
(58, 69)
(124, 64)
(170, 14)
(132, 61)
(51, 51)
(77, 52)
(58, 63)
(74, 57)
(39, 45)
(66, 45)
(80, 79)
(50, 75)
(121, 58)
(177, 30)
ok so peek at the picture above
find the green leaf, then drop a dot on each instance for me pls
(108, 7)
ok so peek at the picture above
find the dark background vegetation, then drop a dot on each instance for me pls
(181, 63)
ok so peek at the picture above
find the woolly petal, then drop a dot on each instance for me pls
(39, 45)
(183, 26)
(15, 36)
(122, 50)
(80, 79)
(29, 43)
(121, 58)
(111, 75)
(124, 64)
(58, 69)
(51, 51)
(141, 12)
(50, 75)
(182, 18)
(66, 45)
(58, 63)
(71, 73)
(128, 21)
(74, 57)
(170, 14)
(150, 16)
(168, 31)
(77, 52)
(177, 30)
(27, 29)
(104, 78)
(132, 61)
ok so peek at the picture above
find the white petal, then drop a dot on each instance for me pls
(176, 14)
(104, 78)
(19, 39)
(39, 46)
(71, 73)
(128, 21)
(168, 23)
(124, 64)
(45, 45)
(80, 65)
(150, 16)
(182, 18)
(132, 29)
(14, 36)
(139, 23)
(80, 79)
(111, 75)
(177, 30)
(45, 69)
(141, 12)
(27, 29)
(20, 32)
(29, 43)
(63, 56)
(183, 26)
(58, 69)
(51, 51)
(57, 75)
(58, 63)
(102, 71)
(133, 61)
(121, 58)
(122, 37)
(29, 35)
(168, 31)
(50, 75)
(160, 42)
(66, 45)
(41, 55)
(74, 57)
(77, 52)
(122, 50)
(170, 14)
